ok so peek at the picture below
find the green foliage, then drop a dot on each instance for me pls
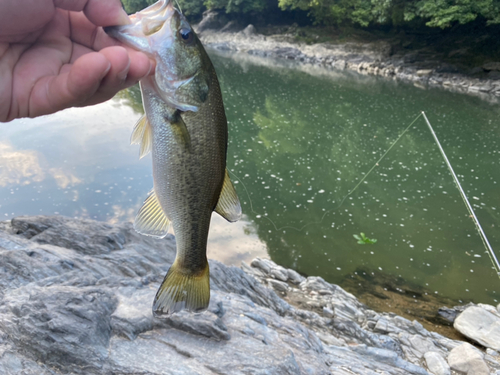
(132, 6)
(363, 240)
(433, 13)
(189, 7)
(196, 7)
(436, 13)
(444, 13)
(237, 6)
(192, 7)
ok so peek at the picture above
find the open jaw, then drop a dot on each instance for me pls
(145, 24)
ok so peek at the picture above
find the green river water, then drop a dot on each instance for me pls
(301, 138)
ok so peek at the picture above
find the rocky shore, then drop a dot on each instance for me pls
(76, 299)
(420, 67)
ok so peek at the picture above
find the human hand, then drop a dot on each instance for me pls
(54, 55)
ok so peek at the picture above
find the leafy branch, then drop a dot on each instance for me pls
(363, 240)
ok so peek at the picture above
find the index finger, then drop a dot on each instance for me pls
(99, 12)
(84, 32)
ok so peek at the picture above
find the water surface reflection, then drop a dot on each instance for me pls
(299, 142)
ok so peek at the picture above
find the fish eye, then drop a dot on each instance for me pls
(186, 35)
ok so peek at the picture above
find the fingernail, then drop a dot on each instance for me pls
(152, 66)
(106, 71)
(123, 74)
(123, 18)
(150, 70)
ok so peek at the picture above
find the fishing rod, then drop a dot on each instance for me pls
(472, 214)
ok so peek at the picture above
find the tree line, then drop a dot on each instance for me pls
(432, 13)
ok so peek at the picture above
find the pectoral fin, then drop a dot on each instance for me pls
(142, 135)
(151, 220)
(180, 131)
(229, 205)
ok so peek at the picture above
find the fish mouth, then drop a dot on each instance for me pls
(143, 25)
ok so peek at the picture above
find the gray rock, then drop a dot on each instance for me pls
(382, 326)
(263, 264)
(480, 325)
(424, 72)
(448, 314)
(422, 345)
(389, 357)
(74, 236)
(436, 364)
(278, 286)
(231, 26)
(494, 75)
(328, 312)
(489, 308)
(340, 64)
(287, 53)
(212, 20)
(279, 273)
(374, 58)
(294, 277)
(316, 284)
(76, 298)
(492, 352)
(468, 360)
(492, 66)
(249, 30)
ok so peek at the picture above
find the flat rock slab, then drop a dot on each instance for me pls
(76, 296)
(480, 325)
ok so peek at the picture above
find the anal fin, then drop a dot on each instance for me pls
(151, 220)
(142, 135)
(228, 206)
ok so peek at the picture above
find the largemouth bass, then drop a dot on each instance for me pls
(185, 128)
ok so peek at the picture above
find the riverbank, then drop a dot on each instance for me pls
(76, 298)
(421, 66)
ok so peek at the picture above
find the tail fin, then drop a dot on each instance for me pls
(181, 290)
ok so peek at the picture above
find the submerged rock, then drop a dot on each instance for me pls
(76, 298)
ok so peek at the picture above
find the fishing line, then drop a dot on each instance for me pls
(482, 235)
(343, 199)
(178, 6)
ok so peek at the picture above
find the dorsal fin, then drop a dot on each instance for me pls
(151, 220)
(142, 135)
(228, 205)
